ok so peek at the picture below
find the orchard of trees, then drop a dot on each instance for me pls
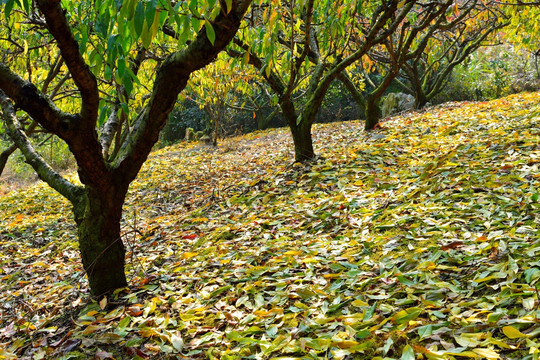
(103, 76)
(390, 238)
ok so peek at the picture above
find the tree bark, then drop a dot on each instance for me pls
(355, 93)
(373, 113)
(420, 100)
(303, 144)
(100, 243)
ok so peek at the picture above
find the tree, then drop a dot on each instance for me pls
(300, 48)
(219, 86)
(429, 71)
(106, 47)
(402, 49)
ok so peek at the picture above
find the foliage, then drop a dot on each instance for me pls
(217, 88)
(417, 240)
(490, 73)
(186, 114)
(301, 48)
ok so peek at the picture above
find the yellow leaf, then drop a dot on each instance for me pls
(188, 255)
(469, 339)
(512, 332)
(487, 353)
(359, 303)
(292, 252)
(103, 303)
(346, 344)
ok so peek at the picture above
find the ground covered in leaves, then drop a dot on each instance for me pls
(417, 241)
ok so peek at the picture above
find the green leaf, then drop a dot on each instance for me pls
(219, 291)
(210, 32)
(139, 19)
(124, 107)
(108, 73)
(531, 275)
(102, 115)
(150, 12)
(369, 313)
(8, 8)
(534, 198)
(406, 315)
(389, 342)
(424, 331)
(102, 24)
(121, 66)
(124, 323)
(408, 353)
(193, 7)
(127, 80)
(229, 5)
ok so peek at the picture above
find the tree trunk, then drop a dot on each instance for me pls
(420, 100)
(420, 97)
(102, 249)
(303, 144)
(373, 114)
(262, 122)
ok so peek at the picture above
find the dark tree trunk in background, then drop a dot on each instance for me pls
(4, 156)
(420, 100)
(373, 113)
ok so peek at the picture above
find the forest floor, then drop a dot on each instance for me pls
(420, 240)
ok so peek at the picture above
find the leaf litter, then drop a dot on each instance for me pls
(419, 240)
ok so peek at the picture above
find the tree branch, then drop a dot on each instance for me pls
(35, 103)
(69, 48)
(171, 78)
(45, 172)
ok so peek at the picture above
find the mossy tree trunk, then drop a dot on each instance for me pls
(100, 242)
(372, 113)
(420, 100)
(303, 143)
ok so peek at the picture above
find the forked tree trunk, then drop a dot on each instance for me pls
(373, 114)
(100, 243)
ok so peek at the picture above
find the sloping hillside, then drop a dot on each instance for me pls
(419, 240)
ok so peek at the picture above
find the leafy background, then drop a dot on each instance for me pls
(419, 240)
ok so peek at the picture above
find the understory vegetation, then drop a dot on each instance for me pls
(417, 240)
